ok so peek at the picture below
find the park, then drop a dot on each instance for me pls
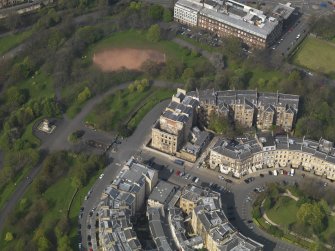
(317, 55)
(297, 213)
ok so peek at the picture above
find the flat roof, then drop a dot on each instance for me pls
(233, 16)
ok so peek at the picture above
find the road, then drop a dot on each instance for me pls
(289, 40)
(58, 141)
(235, 194)
(127, 149)
(236, 197)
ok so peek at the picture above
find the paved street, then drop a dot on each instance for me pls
(58, 141)
(236, 198)
(127, 149)
(292, 37)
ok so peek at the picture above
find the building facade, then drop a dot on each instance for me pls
(122, 200)
(247, 155)
(173, 128)
(249, 108)
(209, 222)
(231, 18)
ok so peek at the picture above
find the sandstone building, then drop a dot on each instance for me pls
(249, 108)
(176, 131)
(247, 155)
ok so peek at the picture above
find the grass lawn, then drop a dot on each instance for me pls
(331, 227)
(284, 211)
(137, 39)
(317, 55)
(157, 96)
(117, 108)
(39, 85)
(9, 42)
(59, 196)
(11, 187)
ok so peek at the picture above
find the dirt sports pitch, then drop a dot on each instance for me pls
(132, 59)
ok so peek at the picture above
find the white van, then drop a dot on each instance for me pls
(292, 172)
(275, 173)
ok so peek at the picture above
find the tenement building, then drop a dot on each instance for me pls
(209, 222)
(249, 107)
(120, 201)
(231, 18)
(176, 132)
(246, 155)
(173, 128)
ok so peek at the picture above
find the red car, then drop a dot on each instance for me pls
(178, 173)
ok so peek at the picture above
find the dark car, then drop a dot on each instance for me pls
(250, 221)
(270, 172)
(88, 237)
(231, 218)
(91, 213)
(228, 181)
(261, 175)
(247, 181)
(89, 226)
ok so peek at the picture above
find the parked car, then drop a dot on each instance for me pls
(261, 175)
(228, 181)
(179, 162)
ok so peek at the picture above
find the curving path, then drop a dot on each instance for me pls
(58, 141)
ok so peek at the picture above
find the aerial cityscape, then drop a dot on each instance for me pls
(167, 125)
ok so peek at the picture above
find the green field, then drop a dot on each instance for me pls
(58, 196)
(150, 102)
(317, 55)
(117, 108)
(9, 42)
(137, 39)
(283, 212)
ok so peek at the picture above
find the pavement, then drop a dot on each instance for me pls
(126, 149)
(293, 35)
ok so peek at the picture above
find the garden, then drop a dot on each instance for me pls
(298, 213)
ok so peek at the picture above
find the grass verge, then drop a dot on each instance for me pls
(11, 41)
(317, 55)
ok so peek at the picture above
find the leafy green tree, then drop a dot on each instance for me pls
(9, 236)
(218, 123)
(84, 95)
(16, 97)
(135, 5)
(312, 215)
(64, 244)
(154, 33)
(156, 12)
(167, 16)
(187, 74)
